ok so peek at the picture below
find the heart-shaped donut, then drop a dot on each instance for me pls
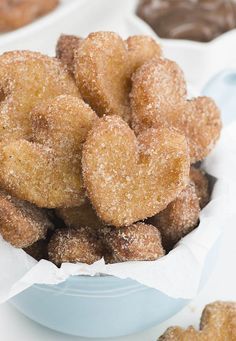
(102, 73)
(140, 49)
(129, 178)
(47, 170)
(103, 66)
(26, 79)
(158, 98)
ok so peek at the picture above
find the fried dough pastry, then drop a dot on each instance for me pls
(66, 45)
(218, 323)
(81, 216)
(199, 177)
(15, 14)
(140, 49)
(128, 178)
(26, 79)
(158, 98)
(47, 171)
(21, 223)
(179, 218)
(136, 242)
(74, 245)
(102, 73)
(103, 67)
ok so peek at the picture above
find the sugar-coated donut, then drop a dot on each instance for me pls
(22, 223)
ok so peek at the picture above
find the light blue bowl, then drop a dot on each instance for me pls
(108, 306)
(101, 306)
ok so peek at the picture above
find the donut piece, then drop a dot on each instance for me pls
(26, 79)
(218, 323)
(128, 178)
(74, 245)
(104, 64)
(21, 223)
(158, 98)
(47, 171)
(62, 124)
(136, 242)
(141, 48)
(66, 45)
(102, 73)
(15, 14)
(199, 177)
(82, 216)
(179, 218)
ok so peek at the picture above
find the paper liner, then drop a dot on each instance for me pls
(177, 274)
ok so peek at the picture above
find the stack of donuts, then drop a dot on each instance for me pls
(100, 150)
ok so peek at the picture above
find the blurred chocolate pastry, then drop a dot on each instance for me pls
(17, 13)
(200, 20)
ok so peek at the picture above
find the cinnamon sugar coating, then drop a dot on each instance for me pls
(102, 73)
(128, 178)
(199, 177)
(74, 245)
(218, 323)
(15, 14)
(136, 242)
(47, 171)
(66, 45)
(103, 66)
(179, 218)
(158, 98)
(141, 48)
(26, 79)
(21, 223)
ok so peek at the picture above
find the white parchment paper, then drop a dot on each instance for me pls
(178, 274)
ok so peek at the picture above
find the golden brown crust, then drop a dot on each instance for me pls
(158, 98)
(21, 223)
(122, 173)
(179, 218)
(218, 323)
(102, 73)
(74, 245)
(47, 171)
(136, 242)
(141, 48)
(66, 45)
(15, 14)
(26, 79)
